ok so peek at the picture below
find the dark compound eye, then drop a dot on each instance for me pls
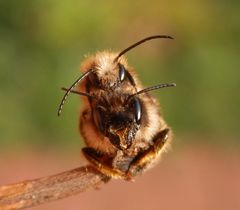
(94, 80)
(122, 72)
(137, 109)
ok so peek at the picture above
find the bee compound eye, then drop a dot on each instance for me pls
(122, 72)
(94, 80)
(137, 110)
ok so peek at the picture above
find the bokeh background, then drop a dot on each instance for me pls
(42, 43)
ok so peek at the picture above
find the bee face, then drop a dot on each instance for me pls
(118, 118)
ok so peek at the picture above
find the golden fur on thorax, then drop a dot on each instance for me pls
(106, 69)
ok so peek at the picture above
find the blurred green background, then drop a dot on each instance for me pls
(42, 43)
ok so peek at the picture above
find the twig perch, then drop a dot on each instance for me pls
(38, 191)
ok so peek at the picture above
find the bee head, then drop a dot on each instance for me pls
(118, 116)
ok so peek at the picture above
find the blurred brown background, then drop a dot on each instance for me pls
(42, 43)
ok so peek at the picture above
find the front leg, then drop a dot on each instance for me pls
(103, 163)
(147, 159)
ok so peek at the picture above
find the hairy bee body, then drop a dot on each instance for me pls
(121, 123)
(113, 95)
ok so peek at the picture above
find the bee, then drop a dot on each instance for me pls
(121, 123)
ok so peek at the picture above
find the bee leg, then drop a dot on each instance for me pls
(102, 163)
(150, 156)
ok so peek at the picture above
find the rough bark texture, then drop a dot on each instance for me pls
(34, 192)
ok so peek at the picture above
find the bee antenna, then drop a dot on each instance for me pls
(152, 88)
(70, 89)
(78, 93)
(140, 42)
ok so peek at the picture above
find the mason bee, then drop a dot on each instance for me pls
(121, 123)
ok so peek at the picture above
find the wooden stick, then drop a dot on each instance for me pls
(38, 191)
